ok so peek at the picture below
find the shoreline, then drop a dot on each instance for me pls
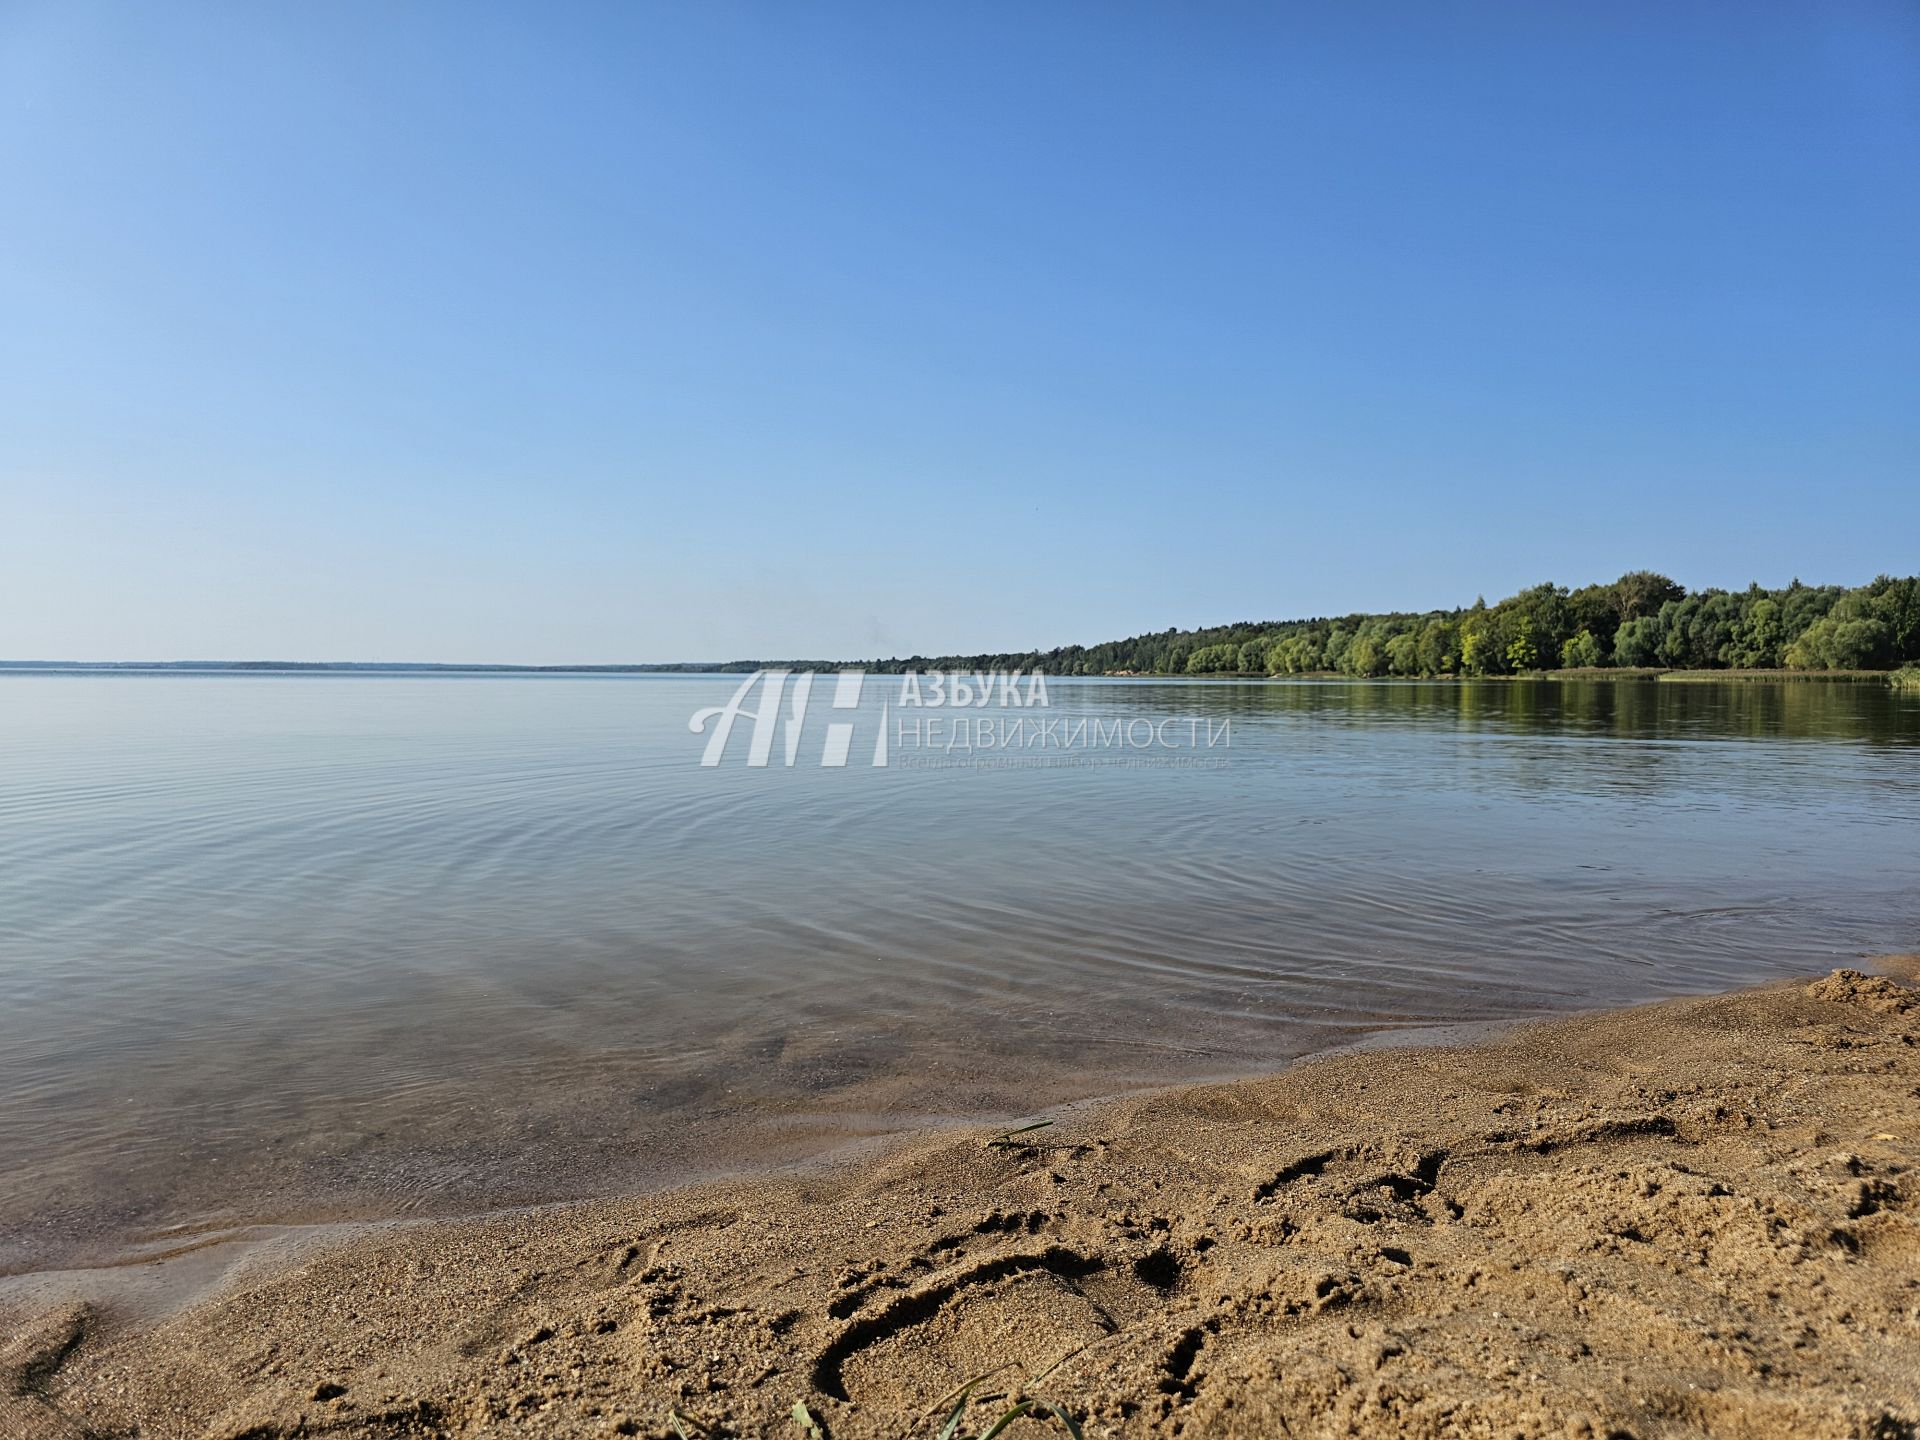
(1634, 673)
(1870, 675)
(93, 1271)
(1693, 1216)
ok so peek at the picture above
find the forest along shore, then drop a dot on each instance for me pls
(1643, 621)
(1698, 1217)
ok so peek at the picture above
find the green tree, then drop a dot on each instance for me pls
(1212, 659)
(1801, 605)
(1364, 657)
(1595, 609)
(1439, 647)
(1334, 656)
(1637, 641)
(1581, 652)
(1548, 622)
(1896, 604)
(1403, 654)
(1523, 651)
(1640, 593)
(1844, 638)
(1297, 654)
(1476, 648)
(1755, 641)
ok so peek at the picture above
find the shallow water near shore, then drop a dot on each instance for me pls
(313, 947)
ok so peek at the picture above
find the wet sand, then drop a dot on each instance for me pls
(1693, 1218)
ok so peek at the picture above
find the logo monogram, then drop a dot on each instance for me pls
(767, 720)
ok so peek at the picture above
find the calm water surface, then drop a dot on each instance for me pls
(278, 947)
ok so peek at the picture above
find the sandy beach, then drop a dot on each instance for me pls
(959, 722)
(1691, 1218)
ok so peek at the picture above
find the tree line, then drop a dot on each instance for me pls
(1641, 620)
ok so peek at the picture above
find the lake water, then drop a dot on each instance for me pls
(296, 947)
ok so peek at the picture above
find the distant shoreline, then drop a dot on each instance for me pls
(396, 667)
(1583, 674)
(743, 667)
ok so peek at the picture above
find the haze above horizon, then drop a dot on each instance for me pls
(654, 334)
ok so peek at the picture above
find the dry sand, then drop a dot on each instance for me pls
(1692, 1218)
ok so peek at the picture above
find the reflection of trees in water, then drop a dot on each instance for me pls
(1640, 709)
(1555, 737)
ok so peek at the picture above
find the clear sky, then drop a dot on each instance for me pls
(530, 332)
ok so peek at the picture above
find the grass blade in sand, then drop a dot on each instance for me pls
(1008, 1142)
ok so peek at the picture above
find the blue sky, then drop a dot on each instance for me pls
(645, 332)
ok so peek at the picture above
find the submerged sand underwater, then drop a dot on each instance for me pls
(1693, 1218)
